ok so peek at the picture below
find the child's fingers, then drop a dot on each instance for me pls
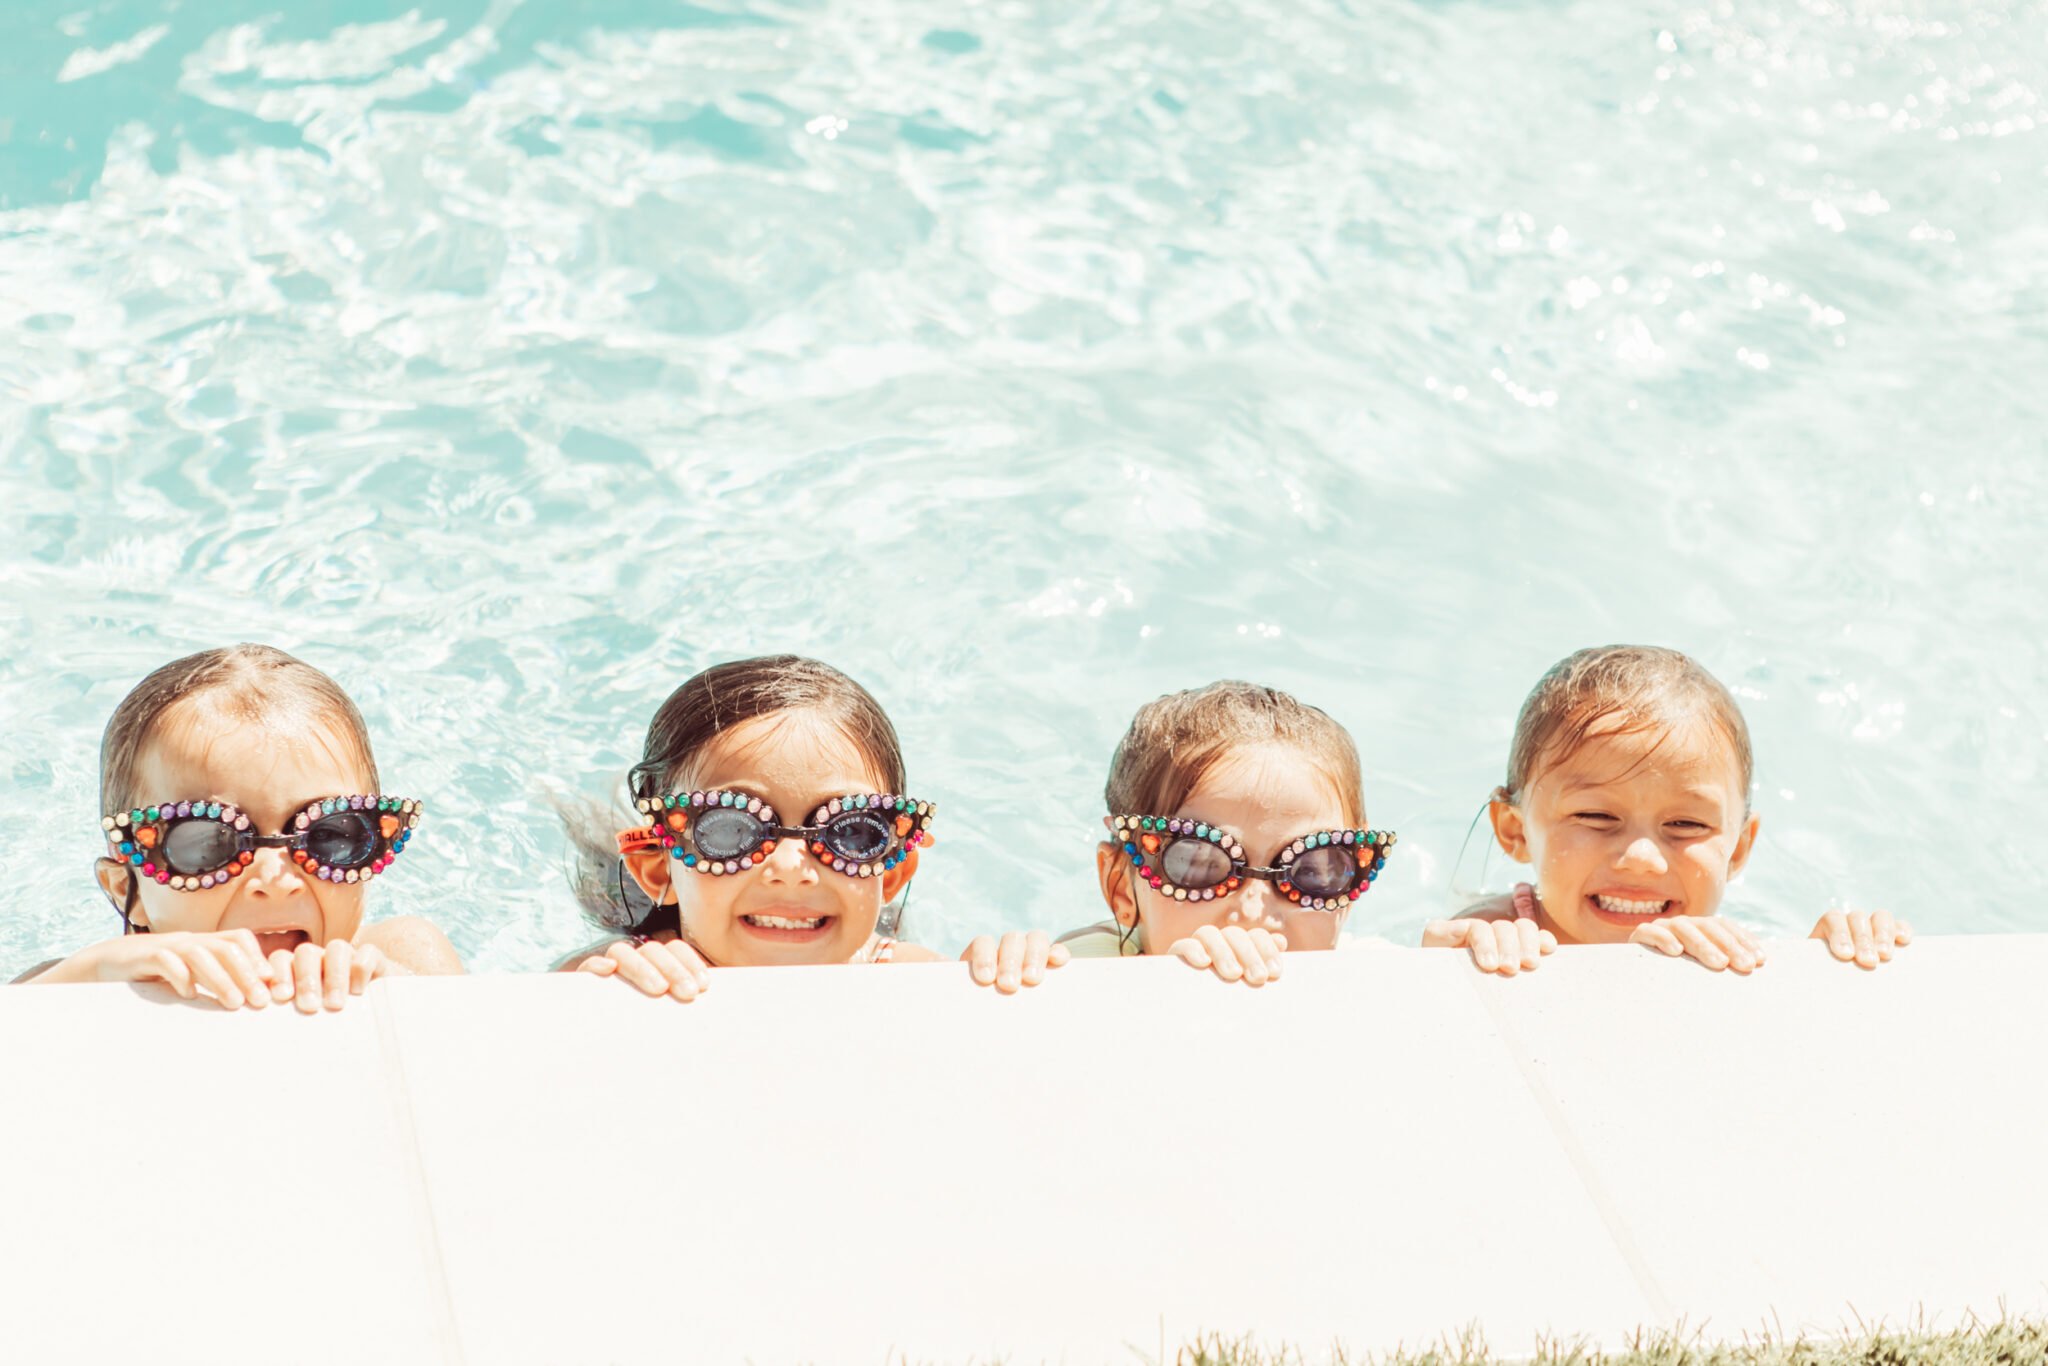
(1866, 946)
(281, 976)
(1058, 956)
(637, 970)
(340, 958)
(1884, 933)
(1037, 956)
(245, 942)
(1902, 932)
(1736, 942)
(1444, 934)
(1530, 941)
(1222, 958)
(1274, 946)
(1480, 943)
(1251, 962)
(1191, 952)
(1699, 945)
(369, 965)
(980, 957)
(1010, 962)
(307, 960)
(1834, 928)
(598, 966)
(1547, 941)
(243, 958)
(676, 965)
(172, 969)
(210, 973)
(1658, 935)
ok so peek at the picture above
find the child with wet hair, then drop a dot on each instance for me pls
(1237, 830)
(773, 830)
(1628, 791)
(244, 824)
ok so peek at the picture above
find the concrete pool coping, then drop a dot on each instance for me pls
(826, 1164)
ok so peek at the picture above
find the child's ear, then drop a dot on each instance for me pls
(1743, 845)
(897, 878)
(650, 869)
(115, 879)
(1118, 891)
(1509, 829)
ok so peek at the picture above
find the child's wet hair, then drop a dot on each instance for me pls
(244, 684)
(1175, 739)
(1619, 690)
(706, 706)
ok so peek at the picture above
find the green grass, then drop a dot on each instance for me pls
(2007, 1342)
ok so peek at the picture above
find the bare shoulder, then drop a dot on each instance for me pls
(912, 953)
(414, 944)
(1493, 908)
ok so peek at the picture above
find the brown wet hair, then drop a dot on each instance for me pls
(1175, 739)
(246, 684)
(1619, 690)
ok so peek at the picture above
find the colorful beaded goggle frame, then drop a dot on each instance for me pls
(1190, 860)
(863, 835)
(192, 846)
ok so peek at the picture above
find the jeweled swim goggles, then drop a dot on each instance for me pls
(1190, 860)
(864, 835)
(191, 846)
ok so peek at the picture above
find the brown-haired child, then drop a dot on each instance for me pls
(1628, 790)
(1237, 830)
(244, 824)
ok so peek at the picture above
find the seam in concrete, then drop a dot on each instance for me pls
(449, 1335)
(1575, 1153)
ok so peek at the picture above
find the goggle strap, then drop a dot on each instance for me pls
(638, 838)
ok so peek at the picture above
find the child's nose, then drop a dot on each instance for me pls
(1256, 905)
(786, 860)
(272, 873)
(1642, 852)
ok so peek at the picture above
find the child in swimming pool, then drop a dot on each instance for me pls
(774, 831)
(1628, 790)
(242, 834)
(1237, 830)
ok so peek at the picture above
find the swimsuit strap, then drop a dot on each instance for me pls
(1525, 901)
(878, 951)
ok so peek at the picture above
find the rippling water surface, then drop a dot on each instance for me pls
(512, 361)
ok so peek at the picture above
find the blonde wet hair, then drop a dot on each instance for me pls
(1175, 739)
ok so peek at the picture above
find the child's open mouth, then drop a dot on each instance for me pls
(270, 941)
(1628, 910)
(788, 929)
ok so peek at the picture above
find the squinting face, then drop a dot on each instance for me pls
(789, 908)
(271, 774)
(1631, 828)
(1267, 796)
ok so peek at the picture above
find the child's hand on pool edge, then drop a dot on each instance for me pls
(1714, 942)
(672, 969)
(1019, 959)
(313, 976)
(1865, 938)
(1504, 946)
(1233, 953)
(226, 965)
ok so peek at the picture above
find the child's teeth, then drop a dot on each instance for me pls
(776, 922)
(1614, 905)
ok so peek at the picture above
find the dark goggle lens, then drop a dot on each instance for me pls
(727, 833)
(193, 848)
(1194, 864)
(861, 836)
(345, 839)
(1325, 872)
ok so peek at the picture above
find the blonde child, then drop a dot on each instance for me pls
(774, 829)
(244, 823)
(1237, 830)
(1628, 791)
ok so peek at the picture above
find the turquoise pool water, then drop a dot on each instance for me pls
(511, 361)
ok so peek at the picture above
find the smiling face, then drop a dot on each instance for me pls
(1267, 796)
(271, 773)
(790, 908)
(1631, 828)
